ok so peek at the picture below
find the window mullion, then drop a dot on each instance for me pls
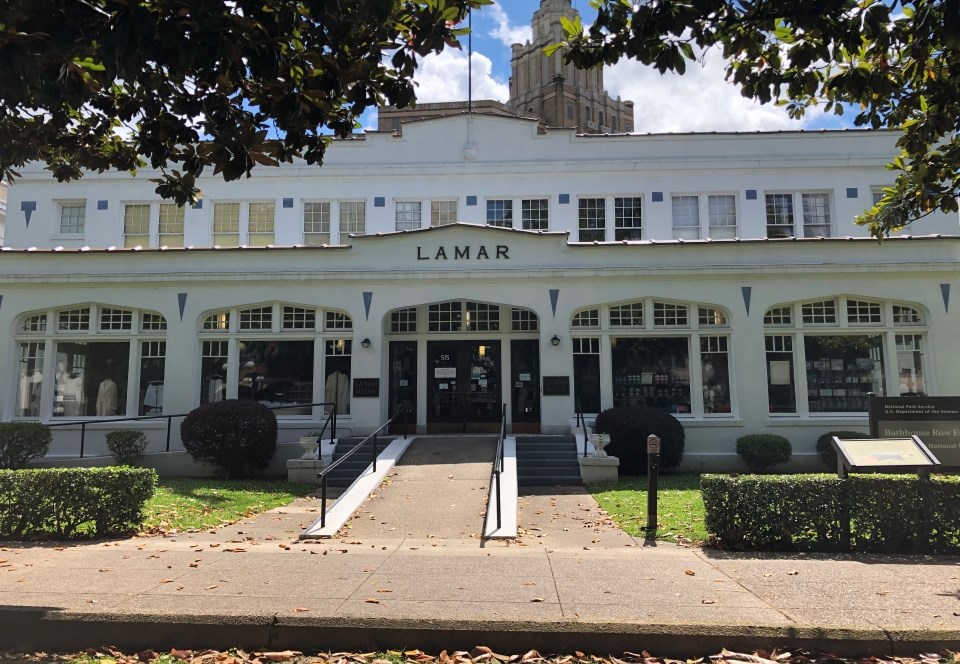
(133, 377)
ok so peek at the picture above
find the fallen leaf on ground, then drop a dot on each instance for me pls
(689, 572)
(371, 600)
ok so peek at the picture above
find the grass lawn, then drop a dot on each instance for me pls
(679, 506)
(199, 503)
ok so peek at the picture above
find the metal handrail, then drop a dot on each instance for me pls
(331, 420)
(322, 475)
(581, 421)
(498, 462)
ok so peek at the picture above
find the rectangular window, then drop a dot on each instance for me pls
(779, 215)
(35, 324)
(91, 379)
(338, 321)
(151, 322)
(652, 372)
(627, 315)
(136, 225)
(152, 362)
(819, 313)
(73, 320)
(722, 216)
(628, 218)
(592, 219)
(781, 388)
(708, 317)
(115, 319)
(226, 224)
(403, 320)
(586, 373)
(482, 317)
(816, 215)
(298, 318)
(353, 218)
(778, 316)
(443, 213)
(500, 213)
(260, 224)
(276, 373)
(715, 371)
(534, 214)
(666, 314)
(841, 371)
(524, 320)
(170, 225)
(316, 223)
(910, 364)
(257, 319)
(336, 385)
(213, 371)
(408, 215)
(586, 318)
(445, 317)
(73, 218)
(30, 380)
(686, 217)
(863, 313)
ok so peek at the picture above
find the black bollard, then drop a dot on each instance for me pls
(653, 468)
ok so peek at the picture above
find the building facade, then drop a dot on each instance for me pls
(477, 262)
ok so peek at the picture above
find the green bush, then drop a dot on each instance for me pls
(887, 513)
(825, 445)
(126, 446)
(73, 502)
(763, 451)
(237, 436)
(629, 427)
(22, 441)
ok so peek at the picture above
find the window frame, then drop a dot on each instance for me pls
(81, 228)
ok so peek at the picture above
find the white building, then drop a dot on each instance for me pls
(473, 261)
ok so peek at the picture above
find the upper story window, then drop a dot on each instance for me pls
(500, 212)
(170, 225)
(697, 216)
(316, 223)
(686, 217)
(153, 224)
(614, 125)
(353, 218)
(722, 216)
(815, 218)
(443, 212)
(73, 217)
(534, 213)
(260, 224)
(628, 218)
(592, 219)
(408, 215)
(569, 110)
(226, 224)
(136, 225)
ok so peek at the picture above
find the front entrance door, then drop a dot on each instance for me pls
(525, 382)
(403, 385)
(463, 386)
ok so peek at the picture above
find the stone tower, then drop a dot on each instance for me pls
(562, 95)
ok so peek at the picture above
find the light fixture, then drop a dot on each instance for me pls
(555, 340)
(366, 342)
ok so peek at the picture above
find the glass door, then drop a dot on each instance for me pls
(403, 384)
(463, 388)
(525, 382)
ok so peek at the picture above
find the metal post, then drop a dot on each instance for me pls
(498, 499)
(653, 468)
(83, 436)
(169, 423)
(333, 424)
(374, 452)
(323, 501)
(403, 416)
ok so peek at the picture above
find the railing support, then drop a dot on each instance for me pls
(83, 437)
(169, 426)
(323, 501)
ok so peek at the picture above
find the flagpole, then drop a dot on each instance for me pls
(470, 60)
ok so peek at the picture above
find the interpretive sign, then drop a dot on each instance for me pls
(556, 386)
(935, 420)
(883, 454)
(366, 388)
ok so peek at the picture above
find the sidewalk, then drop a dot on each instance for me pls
(572, 581)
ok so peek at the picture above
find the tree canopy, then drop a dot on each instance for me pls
(892, 63)
(187, 85)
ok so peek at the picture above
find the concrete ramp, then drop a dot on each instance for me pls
(438, 489)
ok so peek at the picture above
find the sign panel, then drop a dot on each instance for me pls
(366, 388)
(556, 386)
(935, 420)
(892, 452)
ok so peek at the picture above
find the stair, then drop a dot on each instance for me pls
(344, 474)
(547, 461)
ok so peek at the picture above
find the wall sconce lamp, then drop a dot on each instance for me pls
(555, 340)
(366, 342)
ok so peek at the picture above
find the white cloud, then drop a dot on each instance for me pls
(508, 34)
(699, 100)
(443, 77)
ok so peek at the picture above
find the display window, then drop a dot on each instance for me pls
(105, 361)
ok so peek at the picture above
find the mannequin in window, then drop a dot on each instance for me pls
(337, 390)
(107, 398)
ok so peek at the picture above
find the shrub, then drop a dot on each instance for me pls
(763, 451)
(73, 502)
(629, 427)
(126, 446)
(235, 435)
(825, 447)
(22, 441)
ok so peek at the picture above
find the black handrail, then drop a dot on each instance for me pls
(331, 420)
(326, 471)
(498, 463)
(581, 422)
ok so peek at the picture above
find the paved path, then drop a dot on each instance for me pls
(572, 581)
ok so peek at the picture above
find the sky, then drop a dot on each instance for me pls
(700, 100)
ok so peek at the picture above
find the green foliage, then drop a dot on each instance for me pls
(22, 441)
(825, 445)
(73, 502)
(120, 85)
(236, 435)
(894, 64)
(763, 451)
(126, 446)
(629, 427)
(679, 506)
(887, 513)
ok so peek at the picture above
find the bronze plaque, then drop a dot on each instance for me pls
(366, 388)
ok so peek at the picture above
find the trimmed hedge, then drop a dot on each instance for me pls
(825, 445)
(22, 441)
(237, 436)
(127, 446)
(629, 427)
(763, 451)
(887, 513)
(73, 502)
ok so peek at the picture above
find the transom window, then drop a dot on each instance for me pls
(667, 314)
(711, 317)
(115, 319)
(217, 321)
(586, 318)
(299, 318)
(627, 315)
(260, 318)
(819, 313)
(153, 322)
(778, 316)
(403, 320)
(524, 320)
(73, 319)
(34, 324)
(445, 317)
(860, 312)
(482, 317)
(336, 320)
(906, 315)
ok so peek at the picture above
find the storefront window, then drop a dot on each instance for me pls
(715, 370)
(213, 371)
(336, 386)
(842, 370)
(30, 380)
(91, 378)
(276, 373)
(586, 373)
(152, 363)
(781, 389)
(910, 365)
(653, 372)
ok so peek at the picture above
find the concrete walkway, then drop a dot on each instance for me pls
(572, 581)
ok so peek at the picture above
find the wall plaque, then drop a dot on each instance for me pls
(935, 420)
(366, 388)
(556, 386)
